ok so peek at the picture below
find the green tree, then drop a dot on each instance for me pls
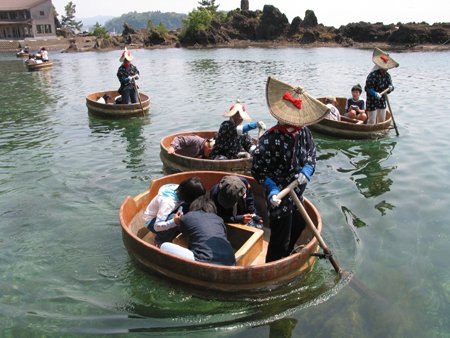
(68, 21)
(198, 19)
(100, 31)
(209, 5)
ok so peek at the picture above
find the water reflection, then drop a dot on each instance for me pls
(371, 176)
(282, 328)
(130, 130)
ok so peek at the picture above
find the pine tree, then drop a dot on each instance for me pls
(68, 21)
(209, 5)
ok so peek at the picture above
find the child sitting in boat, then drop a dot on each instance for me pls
(191, 146)
(106, 99)
(158, 215)
(232, 139)
(334, 114)
(206, 233)
(234, 201)
(356, 106)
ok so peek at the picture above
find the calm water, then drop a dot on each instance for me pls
(64, 270)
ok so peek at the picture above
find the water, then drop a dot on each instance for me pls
(64, 270)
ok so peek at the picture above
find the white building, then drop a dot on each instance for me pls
(21, 19)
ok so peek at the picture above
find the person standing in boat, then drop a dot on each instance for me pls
(127, 75)
(233, 137)
(44, 54)
(286, 152)
(377, 81)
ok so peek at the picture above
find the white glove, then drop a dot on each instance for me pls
(275, 201)
(391, 88)
(261, 125)
(302, 179)
(377, 95)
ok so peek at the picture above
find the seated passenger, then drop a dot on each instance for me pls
(334, 114)
(105, 99)
(356, 106)
(234, 201)
(44, 54)
(232, 139)
(206, 233)
(191, 146)
(159, 214)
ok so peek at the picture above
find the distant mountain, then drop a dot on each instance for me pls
(89, 22)
(171, 20)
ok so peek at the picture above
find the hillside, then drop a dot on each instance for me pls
(171, 21)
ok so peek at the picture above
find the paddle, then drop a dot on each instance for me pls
(392, 114)
(290, 190)
(139, 96)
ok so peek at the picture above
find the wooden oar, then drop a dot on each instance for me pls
(290, 190)
(392, 114)
(139, 96)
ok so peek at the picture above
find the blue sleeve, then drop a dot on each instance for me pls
(308, 171)
(248, 127)
(271, 187)
(372, 91)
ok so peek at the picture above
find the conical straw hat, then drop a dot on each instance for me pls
(383, 60)
(126, 54)
(238, 108)
(293, 106)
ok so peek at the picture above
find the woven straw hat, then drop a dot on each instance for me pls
(293, 106)
(126, 55)
(238, 108)
(383, 60)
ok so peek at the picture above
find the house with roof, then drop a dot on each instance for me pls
(22, 19)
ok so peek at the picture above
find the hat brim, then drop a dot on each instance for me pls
(311, 111)
(238, 108)
(386, 65)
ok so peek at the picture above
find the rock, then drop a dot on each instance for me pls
(274, 24)
(310, 19)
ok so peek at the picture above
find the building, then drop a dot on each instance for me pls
(22, 19)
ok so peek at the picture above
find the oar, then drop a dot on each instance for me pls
(139, 96)
(290, 190)
(392, 114)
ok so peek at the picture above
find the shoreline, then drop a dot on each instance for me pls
(87, 44)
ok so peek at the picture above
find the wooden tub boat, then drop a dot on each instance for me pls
(251, 274)
(116, 110)
(177, 163)
(22, 54)
(349, 128)
(39, 66)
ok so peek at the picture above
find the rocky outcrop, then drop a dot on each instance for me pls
(415, 34)
(271, 25)
(245, 6)
(274, 24)
(310, 19)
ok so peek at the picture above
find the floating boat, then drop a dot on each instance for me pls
(349, 128)
(116, 110)
(177, 163)
(38, 66)
(250, 274)
(22, 54)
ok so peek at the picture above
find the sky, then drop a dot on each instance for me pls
(328, 12)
